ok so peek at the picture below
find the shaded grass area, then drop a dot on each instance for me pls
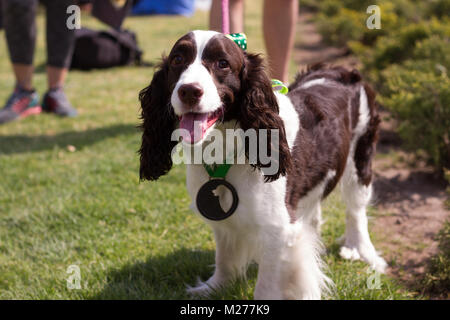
(70, 195)
(437, 277)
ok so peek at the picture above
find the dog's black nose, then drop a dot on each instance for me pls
(190, 94)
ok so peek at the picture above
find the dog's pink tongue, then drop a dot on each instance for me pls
(196, 124)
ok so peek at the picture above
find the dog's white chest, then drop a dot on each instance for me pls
(259, 202)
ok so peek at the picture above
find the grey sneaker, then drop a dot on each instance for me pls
(21, 103)
(55, 101)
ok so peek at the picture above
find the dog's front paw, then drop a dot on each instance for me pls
(366, 254)
(376, 262)
(202, 289)
(349, 253)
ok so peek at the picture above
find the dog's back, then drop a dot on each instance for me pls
(339, 126)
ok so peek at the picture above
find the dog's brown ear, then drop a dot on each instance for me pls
(259, 110)
(158, 123)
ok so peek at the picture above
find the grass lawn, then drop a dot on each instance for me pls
(70, 194)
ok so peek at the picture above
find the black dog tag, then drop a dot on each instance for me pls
(208, 203)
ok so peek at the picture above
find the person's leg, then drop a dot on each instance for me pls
(56, 77)
(60, 46)
(24, 75)
(20, 30)
(60, 42)
(236, 16)
(280, 17)
(215, 18)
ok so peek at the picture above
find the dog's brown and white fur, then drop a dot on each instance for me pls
(328, 126)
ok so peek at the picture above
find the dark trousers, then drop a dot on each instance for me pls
(19, 20)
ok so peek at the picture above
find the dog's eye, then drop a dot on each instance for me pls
(177, 60)
(223, 64)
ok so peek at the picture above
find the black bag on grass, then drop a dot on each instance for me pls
(104, 49)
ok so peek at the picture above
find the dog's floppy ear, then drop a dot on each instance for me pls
(158, 123)
(259, 110)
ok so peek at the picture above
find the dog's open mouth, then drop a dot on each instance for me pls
(196, 124)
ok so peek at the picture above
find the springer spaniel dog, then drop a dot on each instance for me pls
(328, 127)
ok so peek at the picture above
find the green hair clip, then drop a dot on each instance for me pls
(239, 38)
(277, 85)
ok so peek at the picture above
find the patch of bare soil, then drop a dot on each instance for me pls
(310, 49)
(409, 197)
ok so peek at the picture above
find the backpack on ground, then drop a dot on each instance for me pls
(105, 49)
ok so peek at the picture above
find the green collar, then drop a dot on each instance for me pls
(279, 86)
(217, 170)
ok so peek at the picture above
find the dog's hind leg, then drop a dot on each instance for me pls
(357, 244)
(308, 207)
(356, 193)
(232, 259)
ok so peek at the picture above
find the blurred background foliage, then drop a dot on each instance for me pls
(408, 61)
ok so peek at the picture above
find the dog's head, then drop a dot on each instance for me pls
(206, 79)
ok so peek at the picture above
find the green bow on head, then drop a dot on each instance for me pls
(239, 38)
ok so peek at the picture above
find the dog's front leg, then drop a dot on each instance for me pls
(232, 258)
(268, 284)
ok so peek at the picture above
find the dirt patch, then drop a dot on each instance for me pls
(410, 199)
(408, 195)
(310, 49)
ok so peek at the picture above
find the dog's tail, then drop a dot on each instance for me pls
(303, 271)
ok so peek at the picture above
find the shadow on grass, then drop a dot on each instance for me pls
(79, 139)
(42, 67)
(333, 249)
(160, 277)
